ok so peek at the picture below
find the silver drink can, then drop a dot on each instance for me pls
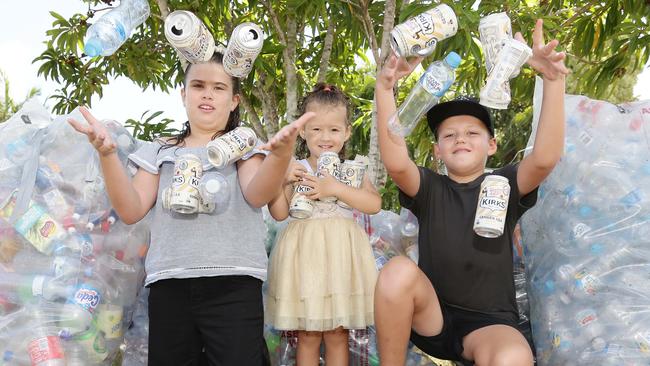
(301, 207)
(185, 185)
(496, 92)
(166, 198)
(187, 34)
(494, 30)
(492, 206)
(351, 173)
(330, 162)
(231, 146)
(419, 35)
(245, 44)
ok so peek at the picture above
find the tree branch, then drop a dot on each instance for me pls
(369, 30)
(327, 52)
(269, 105)
(276, 23)
(389, 23)
(289, 56)
(164, 8)
(253, 118)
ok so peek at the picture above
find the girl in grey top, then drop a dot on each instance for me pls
(204, 271)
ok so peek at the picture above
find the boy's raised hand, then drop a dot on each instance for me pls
(284, 140)
(396, 68)
(545, 60)
(96, 132)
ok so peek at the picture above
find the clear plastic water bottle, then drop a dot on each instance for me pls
(214, 191)
(33, 262)
(433, 84)
(110, 31)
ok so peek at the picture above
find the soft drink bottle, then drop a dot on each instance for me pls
(110, 31)
(26, 287)
(433, 84)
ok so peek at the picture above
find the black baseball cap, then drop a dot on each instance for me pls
(460, 106)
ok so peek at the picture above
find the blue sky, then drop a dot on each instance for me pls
(28, 20)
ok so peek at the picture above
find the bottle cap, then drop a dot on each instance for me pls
(453, 59)
(213, 186)
(92, 47)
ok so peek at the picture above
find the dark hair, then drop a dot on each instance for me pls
(326, 94)
(233, 118)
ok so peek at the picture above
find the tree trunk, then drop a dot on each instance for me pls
(253, 117)
(289, 57)
(376, 170)
(327, 52)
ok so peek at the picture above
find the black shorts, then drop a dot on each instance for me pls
(457, 323)
(207, 320)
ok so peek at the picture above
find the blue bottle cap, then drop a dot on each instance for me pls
(453, 59)
(93, 47)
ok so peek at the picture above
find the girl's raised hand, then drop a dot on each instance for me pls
(396, 68)
(284, 140)
(96, 132)
(295, 173)
(323, 186)
(545, 60)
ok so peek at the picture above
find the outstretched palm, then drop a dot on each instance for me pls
(545, 60)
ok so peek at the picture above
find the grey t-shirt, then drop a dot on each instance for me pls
(229, 242)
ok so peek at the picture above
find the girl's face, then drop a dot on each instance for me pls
(208, 96)
(328, 130)
(464, 145)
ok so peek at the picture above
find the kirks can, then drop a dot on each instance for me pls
(494, 30)
(330, 162)
(185, 185)
(301, 207)
(189, 36)
(492, 206)
(496, 92)
(231, 146)
(245, 44)
(419, 35)
(166, 198)
(351, 174)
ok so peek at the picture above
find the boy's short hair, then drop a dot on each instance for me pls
(460, 106)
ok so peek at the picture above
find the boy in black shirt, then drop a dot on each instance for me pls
(458, 303)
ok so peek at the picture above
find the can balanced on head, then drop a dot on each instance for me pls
(245, 44)
(189, 36)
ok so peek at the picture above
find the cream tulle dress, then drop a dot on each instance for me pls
(322, 273)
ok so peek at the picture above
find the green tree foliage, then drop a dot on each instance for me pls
(8, 106)
(607, 42)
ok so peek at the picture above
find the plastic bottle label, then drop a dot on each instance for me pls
(44, 349)
(432, 85)
(87, 297)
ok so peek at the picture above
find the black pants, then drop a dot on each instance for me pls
(222, 316)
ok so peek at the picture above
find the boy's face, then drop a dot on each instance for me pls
(464, 144)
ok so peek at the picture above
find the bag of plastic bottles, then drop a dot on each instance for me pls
(70, 271)
(586, 240)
